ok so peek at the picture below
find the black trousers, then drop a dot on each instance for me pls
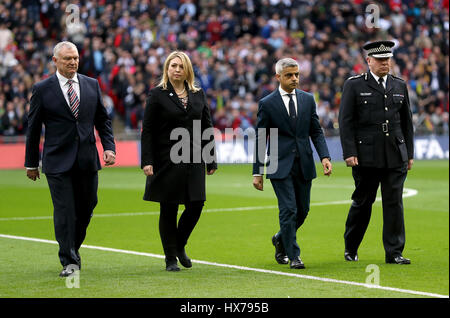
(74, 197)
(175, 237)
(367, 181)
(293, 194)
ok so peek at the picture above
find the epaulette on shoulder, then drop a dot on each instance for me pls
(358, 76)
(399, 78)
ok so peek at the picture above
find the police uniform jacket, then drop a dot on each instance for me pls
(375, 123)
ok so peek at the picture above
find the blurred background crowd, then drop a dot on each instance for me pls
(233, 45)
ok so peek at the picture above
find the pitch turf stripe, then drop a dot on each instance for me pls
(406, 194)
(244, 268)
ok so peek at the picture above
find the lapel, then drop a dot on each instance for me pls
(83, 91)
(280, 105)
(173, 96)
(281, 109)
(373, 83)
(57, 91)
(300, 106)
(389, 84)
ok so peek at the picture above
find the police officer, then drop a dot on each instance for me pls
(376, 134)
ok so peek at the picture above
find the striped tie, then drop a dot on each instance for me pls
(73, 99)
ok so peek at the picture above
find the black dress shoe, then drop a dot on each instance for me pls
(183, 258)
(297, 263)
(280, 254)
(171, 264)
(351, 257)
(69, 270)
(398, 260)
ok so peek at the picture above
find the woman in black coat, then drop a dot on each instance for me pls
(174, 168)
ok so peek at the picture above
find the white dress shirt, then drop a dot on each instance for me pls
(65, 86)
(285, 97)
(377, 77)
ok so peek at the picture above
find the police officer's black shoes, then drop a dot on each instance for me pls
(280, 254)
(171, 264)
(398, 260)
(351, 257)
(183, 258)
(297, 263)
(69, 270)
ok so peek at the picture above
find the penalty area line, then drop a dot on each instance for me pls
(243, 268)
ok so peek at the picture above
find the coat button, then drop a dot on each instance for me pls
(387, 134)
(385, 108)
(385, 96)
(365, 102)
(387, 121)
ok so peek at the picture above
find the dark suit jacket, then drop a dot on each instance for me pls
(376, 125)
(67, 139)
(273, 114)
(174, 182)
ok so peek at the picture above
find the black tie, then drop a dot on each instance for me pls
(292, 112)
(380, 81)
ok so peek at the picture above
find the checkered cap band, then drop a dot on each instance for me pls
(379, 50)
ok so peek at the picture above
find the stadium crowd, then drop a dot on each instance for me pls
(233, 45)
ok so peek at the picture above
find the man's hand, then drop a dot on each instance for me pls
(327, 167)
(211, 172)
(351, 161)
(148, 170)
(33, 174)
(258, 183)
(109, 157)
(410, 163)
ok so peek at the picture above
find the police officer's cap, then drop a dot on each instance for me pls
(379, 49)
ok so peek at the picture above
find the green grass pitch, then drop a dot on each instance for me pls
(235, 229)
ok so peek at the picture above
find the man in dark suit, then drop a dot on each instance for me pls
(292, 113)
(377, 140)
(70, 106)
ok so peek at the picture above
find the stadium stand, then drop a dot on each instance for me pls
(233, 45)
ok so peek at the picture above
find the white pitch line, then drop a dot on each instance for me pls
(244, 268)
(407, 193)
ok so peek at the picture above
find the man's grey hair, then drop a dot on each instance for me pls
(62, 44)
(283, 63)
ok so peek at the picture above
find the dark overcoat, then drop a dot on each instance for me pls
(176, 180)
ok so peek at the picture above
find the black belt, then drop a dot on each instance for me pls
(381, 127)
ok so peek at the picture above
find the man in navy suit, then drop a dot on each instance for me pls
(70, 106)
(292, 112)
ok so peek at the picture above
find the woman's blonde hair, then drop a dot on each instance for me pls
(188, 70)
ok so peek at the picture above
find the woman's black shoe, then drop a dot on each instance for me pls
(183, 258)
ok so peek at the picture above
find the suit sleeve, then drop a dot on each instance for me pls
(207, 124)
(148, 131)
(102, 123)
(316, 134)
(407, 125)
(261, 139)
(347, 120)
(34, 129)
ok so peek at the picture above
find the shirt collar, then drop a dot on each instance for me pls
(377, 77)
(283, 92)
(63, 80)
